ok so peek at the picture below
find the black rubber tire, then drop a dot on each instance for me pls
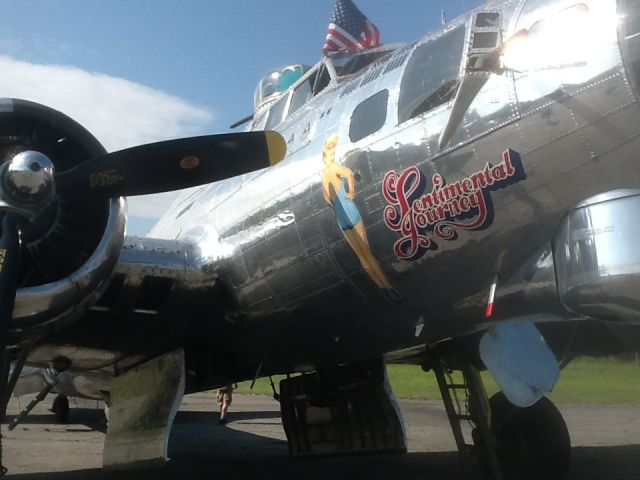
(531, 443)
(60, 409)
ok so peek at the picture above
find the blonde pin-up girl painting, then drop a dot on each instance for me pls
(338, 189)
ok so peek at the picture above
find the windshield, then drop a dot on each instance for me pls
(277, 82)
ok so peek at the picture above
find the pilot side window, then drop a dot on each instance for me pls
(300, 96)
(276, 112)
(314, 84)
(432, 75)
(369, 116)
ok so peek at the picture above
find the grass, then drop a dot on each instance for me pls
(585, 380)
(599, 381)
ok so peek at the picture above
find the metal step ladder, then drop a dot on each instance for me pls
(467, 401)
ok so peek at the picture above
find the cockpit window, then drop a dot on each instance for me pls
(314, 84)
(354, 63)
(301, 94)
(369, 116)
(276, 112)
(277, 82)
(432, 75)
(631, 39)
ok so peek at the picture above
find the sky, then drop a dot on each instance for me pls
(139, 71)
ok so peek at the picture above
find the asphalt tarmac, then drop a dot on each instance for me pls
(605, 439)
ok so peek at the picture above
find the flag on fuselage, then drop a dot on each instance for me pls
(349, 30)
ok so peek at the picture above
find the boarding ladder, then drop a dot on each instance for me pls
(466, 400)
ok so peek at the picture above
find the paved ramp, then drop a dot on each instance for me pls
(606, 443)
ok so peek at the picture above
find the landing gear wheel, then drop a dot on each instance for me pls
(60, 409)
(531, 443)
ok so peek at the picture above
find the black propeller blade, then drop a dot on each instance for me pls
(172, 165)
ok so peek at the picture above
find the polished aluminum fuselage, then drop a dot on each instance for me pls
(296, 288)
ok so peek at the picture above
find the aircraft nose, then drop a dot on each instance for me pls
(629, 14)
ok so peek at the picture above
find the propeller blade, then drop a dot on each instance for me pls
(172, 165)
(9, 270)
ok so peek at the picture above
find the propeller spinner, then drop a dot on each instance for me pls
(26, 183)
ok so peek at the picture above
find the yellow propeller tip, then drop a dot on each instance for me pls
(276, 145)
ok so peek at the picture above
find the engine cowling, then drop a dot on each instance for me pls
(71, 247)
(62, 219)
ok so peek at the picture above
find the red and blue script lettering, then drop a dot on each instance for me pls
(421, 215)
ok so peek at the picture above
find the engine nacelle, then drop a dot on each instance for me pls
(69, 251)
(597, 258)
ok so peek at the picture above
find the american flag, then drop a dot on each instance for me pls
(349, 30)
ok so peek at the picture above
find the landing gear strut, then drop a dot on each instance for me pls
(511, 443)
(59, 365)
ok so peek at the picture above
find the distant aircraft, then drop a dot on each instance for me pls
(440, 203)
(42, 381)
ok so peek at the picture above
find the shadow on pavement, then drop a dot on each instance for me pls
(590, 463)
(92, 418)
(200, 450)
(212, 417)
